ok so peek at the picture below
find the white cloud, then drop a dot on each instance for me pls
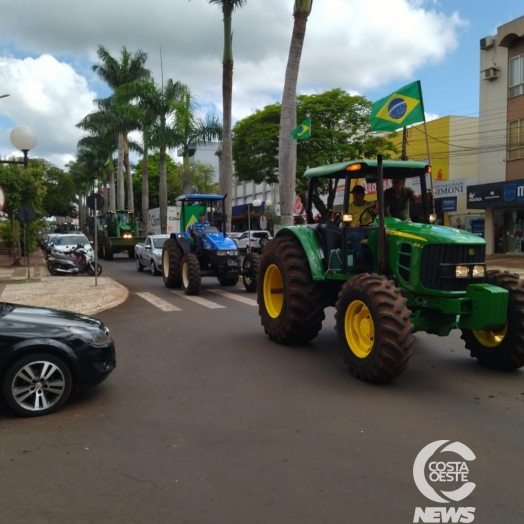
(356, 45)
(51, 98)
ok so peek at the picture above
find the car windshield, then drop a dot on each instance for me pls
(158, 242)
(71, 240)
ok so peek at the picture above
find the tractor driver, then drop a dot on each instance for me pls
(362, 217)
(197, 230)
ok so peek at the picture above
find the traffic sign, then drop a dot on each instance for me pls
(26, 215)
(91, 201)
(263, 222)
(2, 198)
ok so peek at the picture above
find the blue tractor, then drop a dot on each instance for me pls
(184, 263)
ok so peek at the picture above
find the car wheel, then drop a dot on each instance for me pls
(139, 265)
(154, 272)
(37, 385)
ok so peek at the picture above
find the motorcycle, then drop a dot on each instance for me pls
(74, 262)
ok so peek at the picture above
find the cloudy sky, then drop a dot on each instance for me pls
(370, 47)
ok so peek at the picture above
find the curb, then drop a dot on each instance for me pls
(114, 303)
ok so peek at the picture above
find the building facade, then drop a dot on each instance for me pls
(500, 188)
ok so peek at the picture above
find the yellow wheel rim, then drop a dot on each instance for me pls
(273, 291)
(359, 329)
(491, 339)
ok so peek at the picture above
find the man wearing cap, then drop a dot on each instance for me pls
(197, 230)
(358, 208)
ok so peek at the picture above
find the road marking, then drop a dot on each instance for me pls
(158, 302)
(232, 296)
(199, 300)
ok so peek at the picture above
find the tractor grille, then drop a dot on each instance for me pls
(435, 256)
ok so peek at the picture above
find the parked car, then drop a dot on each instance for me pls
(235, 235)
(47, 353)
(256, 239)
(68, 242)
(47, 246)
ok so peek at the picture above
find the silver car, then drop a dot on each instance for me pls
(65, 243)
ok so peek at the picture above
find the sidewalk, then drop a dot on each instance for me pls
(73, 293)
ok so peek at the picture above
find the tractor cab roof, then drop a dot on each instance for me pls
(367, 168)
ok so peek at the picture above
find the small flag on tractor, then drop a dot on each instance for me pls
(303, 131)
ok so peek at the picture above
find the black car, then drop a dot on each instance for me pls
(46, 353)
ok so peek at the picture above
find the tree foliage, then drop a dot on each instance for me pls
(339, 132)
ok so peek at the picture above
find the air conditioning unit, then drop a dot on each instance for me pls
(491, 73)
(487, 42)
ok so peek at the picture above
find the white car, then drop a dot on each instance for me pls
(256, 239)
(68, 242)
(235, 235)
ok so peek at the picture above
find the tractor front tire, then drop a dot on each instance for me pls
(251, 265)
(172, 255)
(191, 278)
(502, 349)
(290, 303)
(108, 249)
(373, 326)
(131, 252)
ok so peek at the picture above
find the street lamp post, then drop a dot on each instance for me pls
(23, 138)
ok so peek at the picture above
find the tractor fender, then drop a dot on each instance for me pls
(308, 240)
(183, 241)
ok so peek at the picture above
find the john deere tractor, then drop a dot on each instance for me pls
(183, 265)
(416, 277)
(118, 233)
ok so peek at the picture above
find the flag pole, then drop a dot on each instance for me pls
(427, 147)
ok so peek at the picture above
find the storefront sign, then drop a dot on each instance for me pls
(443, 188)
(497, 194)
(449, 204)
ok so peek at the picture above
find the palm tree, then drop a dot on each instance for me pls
(160, 101)
(116, 73)
(226, 186)
(287, 147)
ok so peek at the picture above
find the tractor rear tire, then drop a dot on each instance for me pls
(172, 255)
(191, 277)
(108, 249)
(251, 263)
(504, 349)
(290, 303)
(373, 326)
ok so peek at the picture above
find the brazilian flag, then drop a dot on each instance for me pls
(303, 131)
(403, 108)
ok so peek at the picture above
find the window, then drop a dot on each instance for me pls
(516, 76)
(516, 139)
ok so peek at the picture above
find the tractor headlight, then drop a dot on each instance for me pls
(462, 272)
(347, 218)
(227, 253)
(127, 235)
(479, 271)
(433, 218)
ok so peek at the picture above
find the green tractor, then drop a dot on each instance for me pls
(118, 232)
(416, 277)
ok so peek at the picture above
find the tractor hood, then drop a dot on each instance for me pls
(217, 242)
(430, 233)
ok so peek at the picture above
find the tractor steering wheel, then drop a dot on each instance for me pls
(367, 217)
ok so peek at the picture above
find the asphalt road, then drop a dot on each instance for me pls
(207, 421)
